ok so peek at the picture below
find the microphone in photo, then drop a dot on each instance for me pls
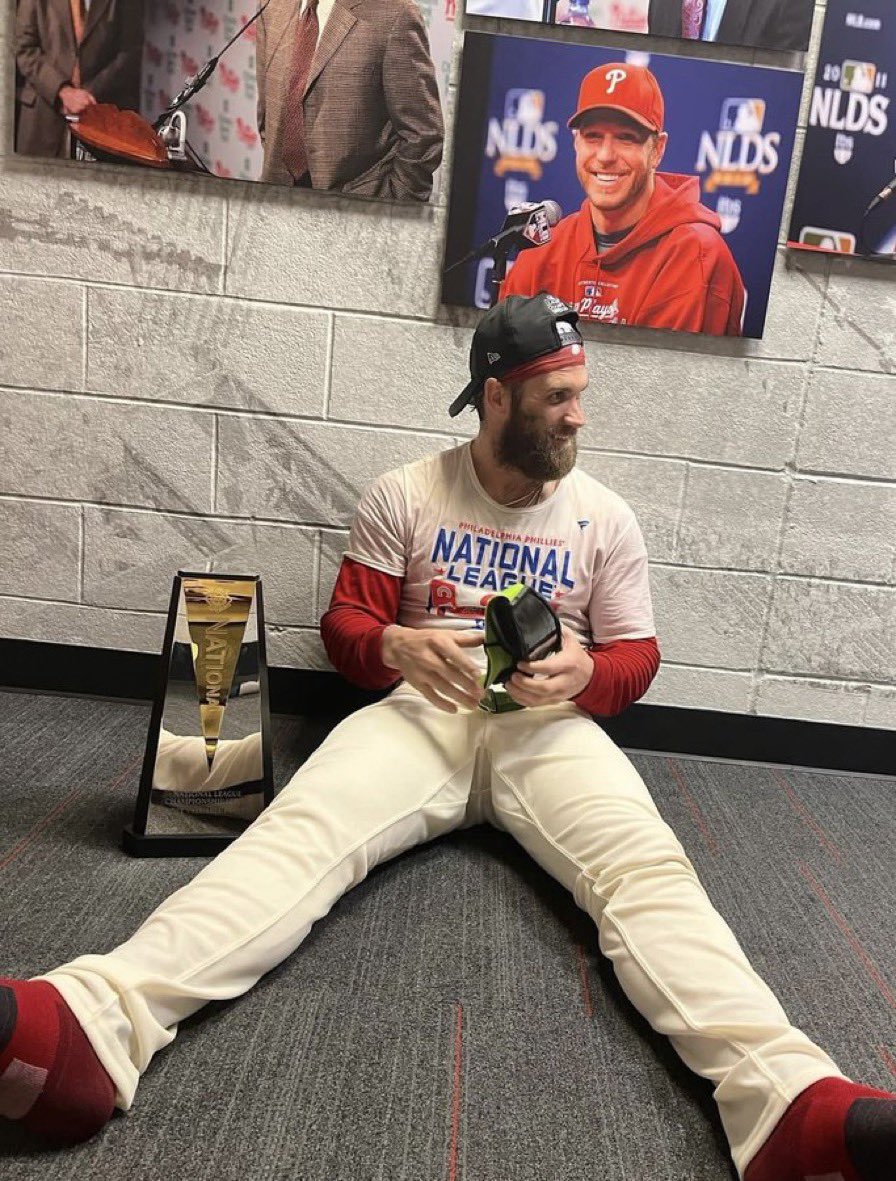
(524, 226)
(884, 195)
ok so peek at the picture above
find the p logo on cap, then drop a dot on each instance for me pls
(614, 77)
(631, 90)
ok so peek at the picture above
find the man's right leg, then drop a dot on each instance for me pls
(389, 777)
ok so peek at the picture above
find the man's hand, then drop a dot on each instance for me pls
(559, 677)
(74, 100)
(433, 660)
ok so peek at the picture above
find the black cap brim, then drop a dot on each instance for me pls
(466, 396)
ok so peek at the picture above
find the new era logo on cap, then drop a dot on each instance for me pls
(492, 357)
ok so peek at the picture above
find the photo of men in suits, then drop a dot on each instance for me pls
(768, 24)
(347, 97)
(69, 55)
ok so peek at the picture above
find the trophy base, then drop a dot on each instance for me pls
(141, 844)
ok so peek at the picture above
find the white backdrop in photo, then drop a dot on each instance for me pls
(180, 37)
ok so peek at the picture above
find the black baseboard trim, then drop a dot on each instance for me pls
(109, 673)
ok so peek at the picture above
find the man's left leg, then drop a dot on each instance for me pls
(573, 800)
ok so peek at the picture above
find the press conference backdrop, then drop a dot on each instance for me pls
(850, 141)
(732, 126)
(180, 37)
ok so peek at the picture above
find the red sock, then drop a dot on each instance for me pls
(50, 1077)
(834, 1131)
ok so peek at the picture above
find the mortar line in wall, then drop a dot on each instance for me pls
(825, 678)
(811, 364)
(662, 346)
(788, 576)
(783, 674)
(311, 629)
(315, 576)
(682, 498)
(206, 409)
(342, 529)
(214, 464)
(81, 554)
(421, 432)
(812, 368)
(142, 612)
(787, 674)
(839, 369)
(85, 328)
(146, 510)
(789, 473)
(224, 243)
(328, 364)
(238, 297)
(81, 606)
(759, 671)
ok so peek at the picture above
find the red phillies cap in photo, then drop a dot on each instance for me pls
(633, 90)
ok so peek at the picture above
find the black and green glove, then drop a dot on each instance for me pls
(519, 625)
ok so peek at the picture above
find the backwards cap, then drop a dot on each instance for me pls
(515, 332)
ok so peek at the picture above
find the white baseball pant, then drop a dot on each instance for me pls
(401, 772)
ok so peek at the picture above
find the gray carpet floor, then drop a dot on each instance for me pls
(452, 1018)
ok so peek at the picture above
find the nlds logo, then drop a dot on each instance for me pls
(523, 141)
(741, 152)
(852, 103)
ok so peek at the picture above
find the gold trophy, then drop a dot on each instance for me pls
(207, 771)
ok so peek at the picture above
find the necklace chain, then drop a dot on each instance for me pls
(527, 499)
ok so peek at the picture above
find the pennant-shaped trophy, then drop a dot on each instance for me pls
(207, 771)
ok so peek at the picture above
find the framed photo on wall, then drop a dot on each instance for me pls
(844, 200)
(345, 97)
(665, 178)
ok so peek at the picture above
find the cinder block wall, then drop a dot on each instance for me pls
(195, 372)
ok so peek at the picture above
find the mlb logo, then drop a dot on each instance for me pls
(729, 210)
(516, 192)
(525, 106)
(822, 239)
(843, 148)
(742, 115)
(858, 76)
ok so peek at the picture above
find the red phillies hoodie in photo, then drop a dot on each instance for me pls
(673, 269)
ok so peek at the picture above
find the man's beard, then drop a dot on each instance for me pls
(525, 444)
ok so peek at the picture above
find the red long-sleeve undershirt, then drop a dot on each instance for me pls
(366, 601)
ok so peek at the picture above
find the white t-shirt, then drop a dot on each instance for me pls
(432, 524)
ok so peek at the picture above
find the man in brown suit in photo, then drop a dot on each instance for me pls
(347, 97)
(71, 54)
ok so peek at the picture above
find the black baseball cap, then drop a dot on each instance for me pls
(518, 329)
